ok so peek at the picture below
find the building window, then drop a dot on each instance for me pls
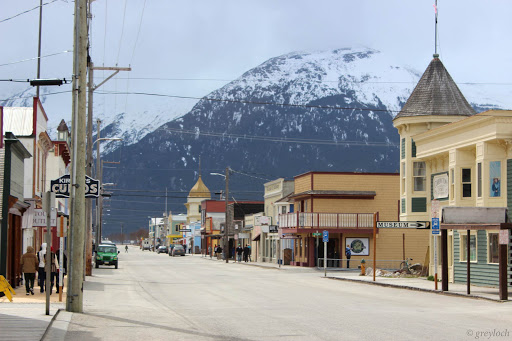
(403, 148)
(472, 248)
(403, 205)
(495, 178)
(199, 209)
(283, 209)
(479, 180)
(403, 177)
(419, 205)
(419, 175)
(466, 182)
(413, 148)
(493, 247)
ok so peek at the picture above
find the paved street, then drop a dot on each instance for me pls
(156, 297)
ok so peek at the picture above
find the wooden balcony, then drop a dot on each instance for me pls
(301, 220)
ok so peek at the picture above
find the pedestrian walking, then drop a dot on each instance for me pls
(348, 253)
(41, 274)
(126, 249)
(185, 247)
(210, 251)
(239, 251)
(246, 253)
(219, 252)
(53, 268)
(249, 252)
(29, 265)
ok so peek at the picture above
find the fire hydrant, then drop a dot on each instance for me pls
(363, 267)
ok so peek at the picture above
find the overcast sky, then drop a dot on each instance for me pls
(218, 40)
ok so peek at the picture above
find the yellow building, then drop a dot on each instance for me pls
(344, 204)
(197, 194)
(467, 165)
(450, 154)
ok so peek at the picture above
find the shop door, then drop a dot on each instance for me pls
(332, 254)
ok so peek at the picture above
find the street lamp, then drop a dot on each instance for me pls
(99, 175)
(226, 224)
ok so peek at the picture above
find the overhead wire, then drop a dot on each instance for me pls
(35, 58)
(27, 11)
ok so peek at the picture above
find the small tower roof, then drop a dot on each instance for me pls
(436, 94)
(63, 126)
(199, 190)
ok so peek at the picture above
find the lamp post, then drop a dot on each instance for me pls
(99, 176)
(226, 224)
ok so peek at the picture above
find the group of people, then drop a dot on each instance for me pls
(244, 252)
(240, 252)
(32, 264)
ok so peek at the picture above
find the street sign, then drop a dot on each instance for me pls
(435, 226)
(61, 187)
(185, 230)
(434, 208)
(325, 236)
(403, 224)
(316, 234)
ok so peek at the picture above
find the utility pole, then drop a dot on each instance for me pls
(90, 142)
(226, 225)
(74, 300)
(122, 234)
(98, 176)
(39, 45)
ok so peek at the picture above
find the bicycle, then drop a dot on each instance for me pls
(405, 265)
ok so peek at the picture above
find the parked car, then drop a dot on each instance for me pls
(161, 249)
(178, 250)
(106, 254)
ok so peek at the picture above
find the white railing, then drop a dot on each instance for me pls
(326, 220)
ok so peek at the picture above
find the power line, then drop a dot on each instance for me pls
(323, 81)
(27, 11)
(283, 140)
(29, 59)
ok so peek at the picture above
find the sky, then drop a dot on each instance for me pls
(192, 47)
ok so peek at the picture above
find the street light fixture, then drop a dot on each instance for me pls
(99, 175)
(226, 223)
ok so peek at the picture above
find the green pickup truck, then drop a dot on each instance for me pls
(106, 255)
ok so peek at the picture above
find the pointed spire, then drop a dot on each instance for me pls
(436, 94)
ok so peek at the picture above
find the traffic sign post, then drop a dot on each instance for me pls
(434, 213)
(325, 238)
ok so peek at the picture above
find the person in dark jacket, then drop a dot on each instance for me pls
(246, 253)
(29, 265)
(239, 251)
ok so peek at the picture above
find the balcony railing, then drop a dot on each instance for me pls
(326, 220)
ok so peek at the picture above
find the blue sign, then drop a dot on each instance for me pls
(325, 236)
(435, 226)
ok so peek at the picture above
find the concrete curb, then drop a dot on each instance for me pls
(455, 294)
(50, 324)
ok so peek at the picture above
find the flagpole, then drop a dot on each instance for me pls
(435, 38)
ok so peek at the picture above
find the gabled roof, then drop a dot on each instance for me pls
(436, 94)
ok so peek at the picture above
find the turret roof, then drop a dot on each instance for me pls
(199, 190)
(436, 94)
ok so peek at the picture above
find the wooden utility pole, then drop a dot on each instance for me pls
(74, 299)
(226, 224)
(90, 142)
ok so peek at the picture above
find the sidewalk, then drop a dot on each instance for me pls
(25, 317)
(419, 284)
